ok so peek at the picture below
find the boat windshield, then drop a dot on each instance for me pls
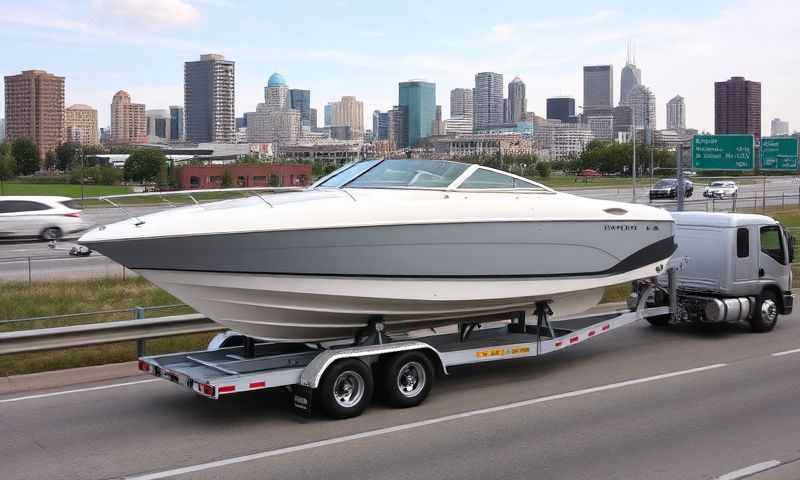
(346, 173)
(410, 174)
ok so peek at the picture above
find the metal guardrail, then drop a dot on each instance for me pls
(101, 333)
(138, 312)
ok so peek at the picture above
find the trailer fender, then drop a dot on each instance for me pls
(313, 372)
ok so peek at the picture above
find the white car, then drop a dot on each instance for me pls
(48, 218)
(721, 189)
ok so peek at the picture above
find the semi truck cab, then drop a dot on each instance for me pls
(735, 268)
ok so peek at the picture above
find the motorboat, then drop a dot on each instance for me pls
(410, 243)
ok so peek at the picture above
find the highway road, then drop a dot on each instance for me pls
(638, 403)
(49, 264)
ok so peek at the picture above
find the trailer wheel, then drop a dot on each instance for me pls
(407, 379)
(346, 388)
(766, 313)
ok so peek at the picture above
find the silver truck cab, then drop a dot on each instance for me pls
(734, 268)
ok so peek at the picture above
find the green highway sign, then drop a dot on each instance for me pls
(722, 152)
(779, 153)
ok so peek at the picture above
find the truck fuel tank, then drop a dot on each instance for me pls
(727, 309)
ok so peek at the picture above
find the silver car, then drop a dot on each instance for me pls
(48, 218)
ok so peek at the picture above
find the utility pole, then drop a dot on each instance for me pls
(634, 158)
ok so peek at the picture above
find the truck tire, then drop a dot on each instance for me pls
(346, 389)
(407, 379)
(765, 315)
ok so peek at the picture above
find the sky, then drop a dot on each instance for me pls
(364, 48)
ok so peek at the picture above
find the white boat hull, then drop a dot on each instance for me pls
(296, 308)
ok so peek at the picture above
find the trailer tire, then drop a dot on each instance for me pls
(407, 378)
(346, 388)
(765, 315)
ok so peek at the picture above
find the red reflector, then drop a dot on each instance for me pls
(606, 327)
(143, 366)
(573, 340)
(227, 389)
(558, 344)
(591, 332)
(73, 214)
(258, 385)
(207, 390)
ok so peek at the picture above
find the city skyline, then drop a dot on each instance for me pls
(369, 62)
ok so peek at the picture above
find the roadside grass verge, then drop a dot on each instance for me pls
(62, 190)
(20, 300)
(23, 363)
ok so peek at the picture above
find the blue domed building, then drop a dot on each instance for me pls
(276, 80)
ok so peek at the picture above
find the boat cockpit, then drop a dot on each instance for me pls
(410, 174)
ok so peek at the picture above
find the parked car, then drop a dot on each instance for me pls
(588, 172)
(668, 188)
(721, 189)
(48, 218)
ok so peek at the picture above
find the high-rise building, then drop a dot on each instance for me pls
(630, 77)
(312, 118)
(438, 124)
(328, 115)
(458, 126)
(517, 103)
(380, 125)
(461, 102)
(737, 107)
(349, 112)
(157, 122)
(176, 124)
(598, 89)
(80, 123)
(676, 113)
(128, 121)
(276, 94)
(300, 100)
(398, 127)
(419, 98)
(35, 109)
(602, 126)
(778, 127)
(487, 100)
(570, 140)
(209, 98)
(623, 120)
(285, 127)
(643, 105)
(561, 108)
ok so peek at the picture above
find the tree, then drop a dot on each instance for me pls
(543, 169)
(227, 179)
(67, 156)
(144, 165)
(8, 166)
(26, 155)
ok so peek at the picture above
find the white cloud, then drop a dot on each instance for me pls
(147, 14)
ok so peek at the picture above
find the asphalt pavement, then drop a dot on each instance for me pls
(637, 403)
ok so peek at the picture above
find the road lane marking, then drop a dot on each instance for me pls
(786, 352)
(747, 471)
(78, 390)
(413, 425)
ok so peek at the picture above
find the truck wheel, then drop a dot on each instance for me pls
(407, 379)
(346, 388)
(766, 313)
